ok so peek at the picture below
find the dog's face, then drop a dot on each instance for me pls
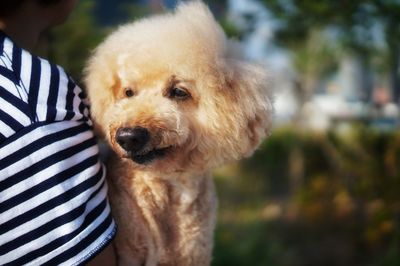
(168, 94)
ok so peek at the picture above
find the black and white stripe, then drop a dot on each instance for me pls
(53, 205)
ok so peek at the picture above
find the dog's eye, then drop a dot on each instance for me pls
(179, 93)
(129, 92)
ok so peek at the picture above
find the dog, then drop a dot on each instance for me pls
(174, 98)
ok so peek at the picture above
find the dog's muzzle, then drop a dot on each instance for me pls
(135, 142)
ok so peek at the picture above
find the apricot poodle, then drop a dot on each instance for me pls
(174, 98)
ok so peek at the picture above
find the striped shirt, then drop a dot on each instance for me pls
(53, 205)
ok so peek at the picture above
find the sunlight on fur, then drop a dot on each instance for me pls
(174, 98)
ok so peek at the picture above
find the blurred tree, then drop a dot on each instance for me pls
(389, 12)
(109, 13)
(354, 22)
(69, 45)
(313, 58)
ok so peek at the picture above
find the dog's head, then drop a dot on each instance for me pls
(173, 93)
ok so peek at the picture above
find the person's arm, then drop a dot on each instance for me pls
(105, 258)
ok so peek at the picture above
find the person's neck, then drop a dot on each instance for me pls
(24, 28)
(25, 37)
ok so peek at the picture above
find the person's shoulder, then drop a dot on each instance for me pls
(24, 60)
(48, 65)
(51, 69)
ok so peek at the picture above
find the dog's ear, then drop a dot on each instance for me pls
(251, 86)
(99, 82)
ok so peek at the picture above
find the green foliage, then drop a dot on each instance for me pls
(251, 244)
(313, 199)
(136, 11)
(230, 29)
(301, 17)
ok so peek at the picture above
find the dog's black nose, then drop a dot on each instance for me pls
(132, 139)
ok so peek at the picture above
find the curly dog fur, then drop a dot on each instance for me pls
(174, 98)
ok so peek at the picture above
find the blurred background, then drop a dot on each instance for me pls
(324, 189)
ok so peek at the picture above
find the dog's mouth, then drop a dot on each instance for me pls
(145, 157)
(136, 144)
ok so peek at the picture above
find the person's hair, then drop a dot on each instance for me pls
(7, 7)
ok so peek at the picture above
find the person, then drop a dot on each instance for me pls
(53, 196)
